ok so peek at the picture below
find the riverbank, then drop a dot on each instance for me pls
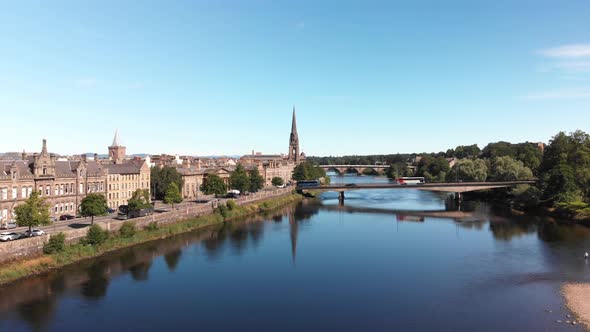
(576, 299)
(77, 252)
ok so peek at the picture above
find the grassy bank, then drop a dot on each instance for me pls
(77, 252)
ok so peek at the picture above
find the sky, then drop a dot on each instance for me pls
(222, 77)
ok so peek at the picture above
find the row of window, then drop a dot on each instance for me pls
(25, 192)
(64, 207)
(115, 186)
(117, 177)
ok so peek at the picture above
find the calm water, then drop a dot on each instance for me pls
(318, 267)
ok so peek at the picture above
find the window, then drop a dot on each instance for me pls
(56, 207)
(47, 190)
(14, 175)
(44, 170)
(29, 191)
(14, 192)
(81, 188)
(56, 190)
(4, 193)
(23, 192)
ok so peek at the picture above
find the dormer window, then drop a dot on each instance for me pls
(44, 170)
(14, 175)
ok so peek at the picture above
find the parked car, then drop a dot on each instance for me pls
(66, 217)
(8, 236)
(34, 232)
(109, 210)
(8, 225)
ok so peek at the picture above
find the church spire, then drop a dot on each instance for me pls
(116, 139)
(294, 125)
(294, 140)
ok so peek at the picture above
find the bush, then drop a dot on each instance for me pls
(231, 204)
(277, 181)
(151, 227)
(56, 244)
(223, 210)
(96, 235)
(127, 229)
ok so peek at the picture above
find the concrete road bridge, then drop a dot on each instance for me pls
(359, 169)
(450, 187)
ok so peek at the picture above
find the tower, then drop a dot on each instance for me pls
(294, 140)
(117, 152)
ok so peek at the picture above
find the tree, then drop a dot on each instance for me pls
(433, 169)
(93, 205)
(213, 184)
(161, 178)
(398, 170)
(469, 170)
(139, 200)
(277, 181)
(308, 171)
(34, 212)
(239, 180)
(256, 180)
(509, 169)
(173, 195)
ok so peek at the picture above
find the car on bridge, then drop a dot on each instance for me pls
(66, 217)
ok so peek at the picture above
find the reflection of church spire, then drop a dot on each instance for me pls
(293, 230)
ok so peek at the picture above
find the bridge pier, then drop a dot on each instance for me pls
(341, 197)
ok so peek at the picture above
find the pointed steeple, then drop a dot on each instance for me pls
(294, 125)
(116, 139)
(294, 140)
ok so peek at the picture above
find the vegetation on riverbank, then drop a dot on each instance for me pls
(82, 250)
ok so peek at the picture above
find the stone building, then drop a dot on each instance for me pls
(62, 183)
(124, 176)
(279, 165)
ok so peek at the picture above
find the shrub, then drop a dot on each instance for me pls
(56, 244)
(223, 210)
(231, 204)
(96, 235)
(153, 226)
(127, 229)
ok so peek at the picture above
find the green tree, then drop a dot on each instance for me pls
(93, 205)
(139, 200)
(213, 184)
(468, 170)
(161, 178)
(433, 169)
(398, 170)
(308, 171)
(239, 180)
(256, 180)
(173, 195)
(277, 181)
(509, 169)
(34, 212)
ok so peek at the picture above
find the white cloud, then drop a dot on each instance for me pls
(567, 51)
(569, 93)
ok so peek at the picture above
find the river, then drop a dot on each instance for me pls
(320, 267)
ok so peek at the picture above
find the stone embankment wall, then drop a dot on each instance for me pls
(34, 246)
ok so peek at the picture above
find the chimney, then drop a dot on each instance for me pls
(96, 157)
(44, 149)
(24, 155)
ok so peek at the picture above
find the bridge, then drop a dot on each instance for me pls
(359, 169)
(450, 187)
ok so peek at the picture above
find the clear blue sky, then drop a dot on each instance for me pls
(221, 77)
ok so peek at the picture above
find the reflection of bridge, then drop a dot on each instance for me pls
(359, 169)
(450, 187)
(402, 215)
